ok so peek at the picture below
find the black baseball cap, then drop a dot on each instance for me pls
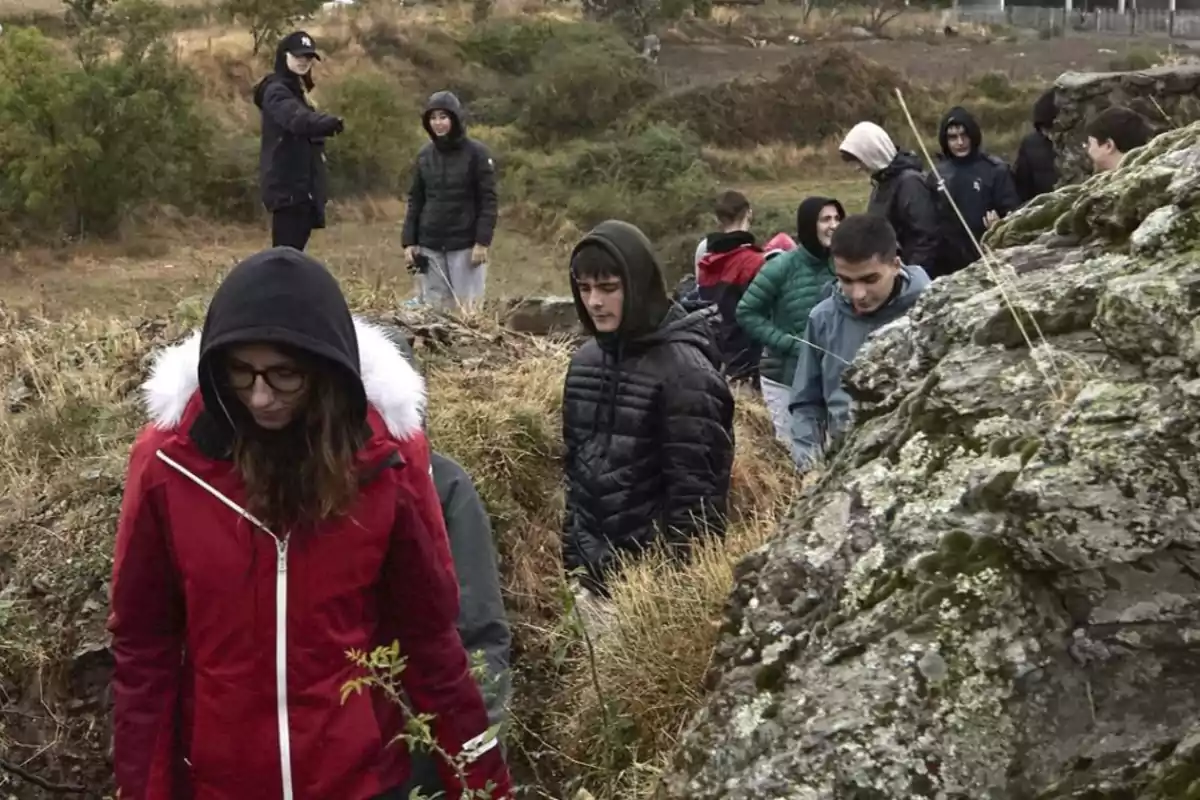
(301, 44)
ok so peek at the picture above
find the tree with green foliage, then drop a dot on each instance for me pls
(268, 20)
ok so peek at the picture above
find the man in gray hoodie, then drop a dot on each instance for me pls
(482, 624)
(872, 289)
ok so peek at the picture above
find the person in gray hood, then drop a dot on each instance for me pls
(873, 288)
(452, 208)
(482, 623)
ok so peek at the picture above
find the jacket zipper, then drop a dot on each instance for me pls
(281, 587)
(281, 692)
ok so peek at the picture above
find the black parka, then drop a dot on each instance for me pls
(452, 202)
(901, 195)
(978, 183)
(647, 421)
(291, 164)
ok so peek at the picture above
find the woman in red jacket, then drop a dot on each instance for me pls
(278, 513)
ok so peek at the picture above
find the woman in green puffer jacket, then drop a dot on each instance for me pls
(774, 309)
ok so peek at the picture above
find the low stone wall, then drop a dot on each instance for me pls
(1168, 97)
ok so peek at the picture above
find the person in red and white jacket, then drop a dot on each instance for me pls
(278, 513)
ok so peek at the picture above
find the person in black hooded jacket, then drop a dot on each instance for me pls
(899, 192)
(291, 164)
(647, 416)
(980, 185)
(1035, 170)
(452, 208)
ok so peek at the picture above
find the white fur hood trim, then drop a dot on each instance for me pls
(393, 386)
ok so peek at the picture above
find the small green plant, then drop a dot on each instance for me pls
(383, 667)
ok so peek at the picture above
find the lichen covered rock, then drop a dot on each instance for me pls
(994, 590)
(1167, 97)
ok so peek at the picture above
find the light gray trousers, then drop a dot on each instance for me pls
(451, 281)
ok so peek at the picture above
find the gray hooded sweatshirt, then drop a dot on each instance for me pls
(833, 336)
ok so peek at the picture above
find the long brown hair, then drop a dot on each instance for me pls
(307, 474)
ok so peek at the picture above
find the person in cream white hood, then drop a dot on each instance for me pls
(899, 191)
(278, 513)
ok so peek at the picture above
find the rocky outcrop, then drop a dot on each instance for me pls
(543, 316)
(994, 589)
(1167, 97)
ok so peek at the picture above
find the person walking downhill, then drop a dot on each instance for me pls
(774, 309)
(873, 288)
(452, 209)
(647, 416)
(482, 623)
(291, 163)
(278, 513)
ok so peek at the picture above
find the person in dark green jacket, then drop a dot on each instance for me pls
(774, 308)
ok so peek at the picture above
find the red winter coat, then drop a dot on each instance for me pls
(231, 647)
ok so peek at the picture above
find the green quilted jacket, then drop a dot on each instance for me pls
(774, 309)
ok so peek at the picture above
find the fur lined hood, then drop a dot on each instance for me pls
(392, 385)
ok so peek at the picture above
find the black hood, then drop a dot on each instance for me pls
(646, 300)
(905, 161)
(283, 297)
(807, 214)
(724, 241)
(960, 116)
(1045, 111)
(448, 102)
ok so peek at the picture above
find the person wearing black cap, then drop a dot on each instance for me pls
(774, 309)
(647, 414)
(452, 209)
(291, 163)
(278, 513)
(1035, 171)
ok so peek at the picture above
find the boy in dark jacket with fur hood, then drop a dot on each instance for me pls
(647, 415)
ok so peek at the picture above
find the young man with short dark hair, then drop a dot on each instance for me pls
(1112, 133)
(979, 184)
(647, 416)
(730, 262)
(1036, 170)
(872, 289)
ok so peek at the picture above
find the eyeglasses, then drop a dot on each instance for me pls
(285, 380)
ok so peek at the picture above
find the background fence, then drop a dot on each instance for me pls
(1059, 21)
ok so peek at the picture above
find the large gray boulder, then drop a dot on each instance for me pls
(1168, 97)
(994, 589)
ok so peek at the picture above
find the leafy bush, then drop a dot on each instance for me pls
(377, 150)
(654, 179)
(84, 143)
(508, 46)
(580, 90)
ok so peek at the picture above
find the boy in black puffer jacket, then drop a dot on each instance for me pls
(647, 415)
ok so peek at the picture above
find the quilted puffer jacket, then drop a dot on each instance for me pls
(647, 422)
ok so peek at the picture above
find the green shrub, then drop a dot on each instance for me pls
(84, 143)
(581, 90)
(995, 85)
(508, 46)
(377, 150)
(655, 179)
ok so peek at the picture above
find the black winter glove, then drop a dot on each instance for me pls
(339, 125)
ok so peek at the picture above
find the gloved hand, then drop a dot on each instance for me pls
(339, 125)
(479, 255)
